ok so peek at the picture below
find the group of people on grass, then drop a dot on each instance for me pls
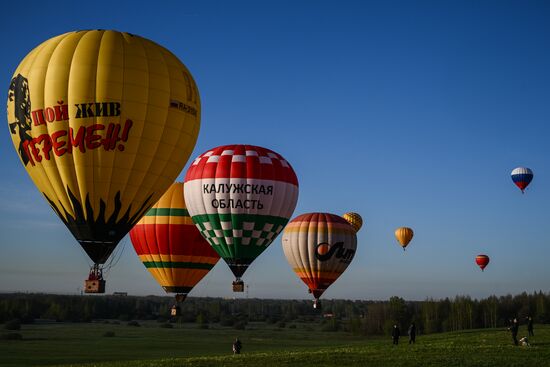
(514, 329)
(396, 333)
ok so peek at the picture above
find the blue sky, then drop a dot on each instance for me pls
(412, 113)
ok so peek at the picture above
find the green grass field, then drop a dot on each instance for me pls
(263, 345)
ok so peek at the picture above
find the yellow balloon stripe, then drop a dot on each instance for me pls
(46, 173)
(180, 277)
(166, 220)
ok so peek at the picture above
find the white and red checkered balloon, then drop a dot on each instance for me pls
(240, 197)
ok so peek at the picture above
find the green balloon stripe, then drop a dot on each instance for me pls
(173, 212)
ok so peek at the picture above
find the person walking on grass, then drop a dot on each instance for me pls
(514, 328)
(237, 345)
(395, 334)
(530, 326)
(412, 333)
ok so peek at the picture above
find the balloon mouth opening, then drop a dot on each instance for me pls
(180, 297)
(239, 267)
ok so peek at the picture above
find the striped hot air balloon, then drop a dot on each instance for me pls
(319, 247)
(522, 177)
(482, 261)
(240, 197)
(170, 246)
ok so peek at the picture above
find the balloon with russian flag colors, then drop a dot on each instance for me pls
(319, 247)
(240, 198)
(522, 177)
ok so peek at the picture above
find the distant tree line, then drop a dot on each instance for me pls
(359, 317)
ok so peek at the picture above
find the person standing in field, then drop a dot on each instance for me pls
(395, 334)
(412, 333)
(514, 328)
(530, 326)
(237, 345)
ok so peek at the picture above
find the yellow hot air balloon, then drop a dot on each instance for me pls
(354, 219)
(103, 122)
(404, 235)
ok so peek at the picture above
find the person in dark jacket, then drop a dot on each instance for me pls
(514, 328)
(412, 333)
(237, 345)
(395, 334)
(530, 326)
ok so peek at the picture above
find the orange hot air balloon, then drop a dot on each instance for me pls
(482, 261)
(319, 247)
(103, 122)
(170, 245)
(404, 235)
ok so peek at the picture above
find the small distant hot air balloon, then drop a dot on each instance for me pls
(522, 177)
(240, 197)
(319, 247)
(482, 261)
(171, 247)
(404, 235)
(103, 122)
(354, 219)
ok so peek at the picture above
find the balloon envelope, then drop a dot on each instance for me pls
(404, 235)
(170, 246)
(354, 219)
(103, 122)
(482, 261)
(522, 177)
(319, 247)
(240, 197)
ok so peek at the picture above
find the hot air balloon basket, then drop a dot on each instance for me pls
(94, 286)
(238, 286)
(175, 311)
